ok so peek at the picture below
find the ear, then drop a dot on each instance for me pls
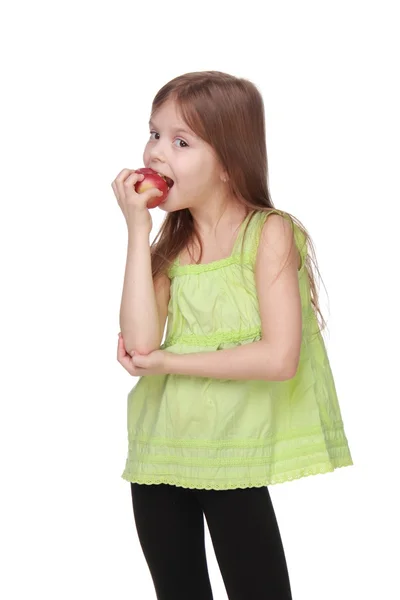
(224, 177)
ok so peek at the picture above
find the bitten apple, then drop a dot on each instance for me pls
(152, 179)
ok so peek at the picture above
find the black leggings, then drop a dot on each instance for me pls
(243, 530)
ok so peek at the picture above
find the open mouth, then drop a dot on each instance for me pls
(167, 180)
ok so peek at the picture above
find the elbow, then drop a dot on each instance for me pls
(287, 367)
(139, 349)
(288, 374)
(289, 370)
(134, 345)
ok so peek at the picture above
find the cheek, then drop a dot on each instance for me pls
(146, 155)
(198, 168)
(204, 173)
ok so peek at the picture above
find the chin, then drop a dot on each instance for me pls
(167, 206)
(170, 204)
(173, 204)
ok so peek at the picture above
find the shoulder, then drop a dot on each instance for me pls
(277, 243)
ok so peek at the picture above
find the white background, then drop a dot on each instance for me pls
(78, 79)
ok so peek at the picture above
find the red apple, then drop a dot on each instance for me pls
(152, 179)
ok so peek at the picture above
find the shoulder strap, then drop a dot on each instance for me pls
(253, 234)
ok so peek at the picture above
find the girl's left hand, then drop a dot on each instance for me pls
(141, 364)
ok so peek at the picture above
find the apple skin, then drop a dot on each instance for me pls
(152, 180)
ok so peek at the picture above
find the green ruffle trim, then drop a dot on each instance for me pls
(213, 339)
(318, 469)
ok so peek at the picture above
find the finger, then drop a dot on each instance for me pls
(120, 178)
(119, 350)
(121, 346)
(139, 361)
(120, 182)
(133, 177)
(134, 371)
(122, 175)
(130, 182)
(126, 363)
(141, 200)
(130, 370)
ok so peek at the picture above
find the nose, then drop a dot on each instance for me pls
(156, 152)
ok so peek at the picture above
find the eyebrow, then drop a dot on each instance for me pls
(176, 130)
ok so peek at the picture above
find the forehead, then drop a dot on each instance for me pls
(168, 116)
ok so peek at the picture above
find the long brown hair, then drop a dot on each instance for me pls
(226, 112)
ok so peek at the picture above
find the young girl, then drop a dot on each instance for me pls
(240, 395)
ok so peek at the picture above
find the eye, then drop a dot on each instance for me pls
(183, 141)
(180, 140)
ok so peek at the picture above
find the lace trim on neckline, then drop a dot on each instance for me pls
(177, 268)
(234, 259)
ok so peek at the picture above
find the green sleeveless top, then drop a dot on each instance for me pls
(208, 433)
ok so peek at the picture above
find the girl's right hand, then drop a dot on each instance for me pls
(133, 205)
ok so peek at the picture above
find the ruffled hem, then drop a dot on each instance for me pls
(186, 343)
(318, 469)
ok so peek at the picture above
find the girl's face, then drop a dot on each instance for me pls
(175, 151)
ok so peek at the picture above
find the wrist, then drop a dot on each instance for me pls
(137, 231)
(169, 362)
(138, 220)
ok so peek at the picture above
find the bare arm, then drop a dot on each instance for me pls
(144, 303)
(257, 360)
